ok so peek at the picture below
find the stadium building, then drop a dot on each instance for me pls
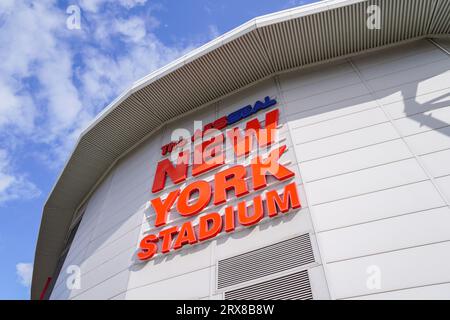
(328, 130)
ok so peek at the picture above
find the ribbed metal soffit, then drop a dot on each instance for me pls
(277, 257)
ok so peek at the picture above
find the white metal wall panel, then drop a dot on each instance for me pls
(77, 253)
(192, 285)
(386, 235)
(433, 163)
(378, 205)
(329, 84)
(402, 269)
(345, 141)
(422, 122)
(435, 81)
(110, 250)
(399, 58)
(417, 74)
(326, 98)
(418, 104)
(318, 281)
(353, 160)
(173, 265)
(371, 200)
(430, 292)
(430, 141)
(312, 77)
(365, 181)
(385, 211)
(104, 272)
(332, 111)
(392, 56)
(106, 289)
(444, 184)
(337, 126)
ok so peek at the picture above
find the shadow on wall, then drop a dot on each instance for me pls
(414, 109)
(427, 120)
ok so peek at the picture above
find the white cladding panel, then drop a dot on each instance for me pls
(377, 178)
(369, 141)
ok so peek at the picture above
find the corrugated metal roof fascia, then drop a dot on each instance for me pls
(195, 54)
(216, 84)
(227, 37)
(131, 112)
(441, 18)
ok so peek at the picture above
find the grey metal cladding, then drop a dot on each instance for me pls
(295, 286)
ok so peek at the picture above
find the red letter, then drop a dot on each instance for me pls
(186, 235)
(232, 178)
(148, 247)
(166, 235)
(261, 167)
(208, 155)
(230, 224)
(265, 137)
(220, 123)
(207, 231)
(290, 200)
(204, 195)
(162, 208)
(258, 212)
(165, 168)
(164, 150)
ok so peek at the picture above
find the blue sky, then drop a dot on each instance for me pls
(54, 80)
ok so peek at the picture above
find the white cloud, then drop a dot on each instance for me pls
(24, 273)
(14, 186)
(213, 31)
(94, 5)
(295, 3)
(13, 108)
(53, 81)
(131, 3)
(91, 5)
(32, 52)
(133, 29)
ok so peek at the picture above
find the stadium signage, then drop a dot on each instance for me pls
(222, 122)
(210, 151)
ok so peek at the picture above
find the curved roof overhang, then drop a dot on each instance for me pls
(262, 47)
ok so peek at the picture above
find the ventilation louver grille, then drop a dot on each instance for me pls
(268, 260)
(294, 286)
